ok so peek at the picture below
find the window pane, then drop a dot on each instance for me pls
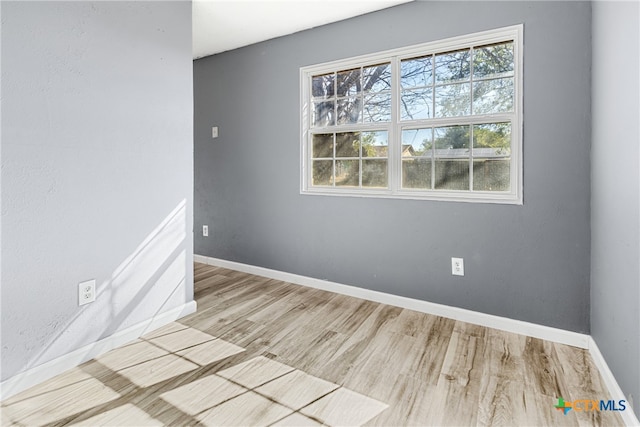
(377, 108)
(347, 173)
(493, 96)
(492, 140)
(323, 114)
(452, 158)
(416, 72)
(322, 172)
(491, 152)
(377, 77)
(375, 144)
(349, 82)
(491, 174)
(416, 142)
(493, 61)
(452, 141)
(350, 110)
(452, 174)
(348, 144)
(323, 86)
(416, 173)
(453, 66)
(374, 173)
(416, 104)
(453, 100)
(322, 145)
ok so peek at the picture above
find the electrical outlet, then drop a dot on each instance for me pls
(86, 292)
(457, 266)
(214, 132)
(205, 230)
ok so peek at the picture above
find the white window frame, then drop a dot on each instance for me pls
(395, 126)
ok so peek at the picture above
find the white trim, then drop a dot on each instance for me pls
(628, 416)
(502, 323)
(49, 369)
(548, 333)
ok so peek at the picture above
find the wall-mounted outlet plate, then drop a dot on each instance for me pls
(457, 266)
(86, 292)
(205, 230)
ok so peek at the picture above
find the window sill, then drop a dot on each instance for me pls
(435, 195)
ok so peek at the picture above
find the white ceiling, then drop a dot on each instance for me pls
(220, 25)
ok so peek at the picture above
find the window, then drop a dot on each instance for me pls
(439, 121)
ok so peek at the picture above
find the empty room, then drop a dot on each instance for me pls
(320, 212)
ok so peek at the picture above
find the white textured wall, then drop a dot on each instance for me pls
(97, 171)
(615, 189)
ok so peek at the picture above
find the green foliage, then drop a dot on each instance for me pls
(452, 137)
(493, 135)
(367, 139)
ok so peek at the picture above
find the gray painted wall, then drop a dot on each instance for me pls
(96, 155)
(615, 186)
(527, 262)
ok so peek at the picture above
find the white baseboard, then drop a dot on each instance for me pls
(502, 323)
(49, 369)
(548, 333)
(628, 416)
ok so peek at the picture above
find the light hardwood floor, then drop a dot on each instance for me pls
(265, 352)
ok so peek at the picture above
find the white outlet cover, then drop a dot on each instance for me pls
(205, 230)
(86, 292)
(457, 266)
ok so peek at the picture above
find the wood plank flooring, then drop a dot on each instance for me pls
(265, 352)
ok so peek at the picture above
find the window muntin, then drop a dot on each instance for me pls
(350, 159)
(449, 114)
(443, 158)
(352, 96)
(440, 85)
